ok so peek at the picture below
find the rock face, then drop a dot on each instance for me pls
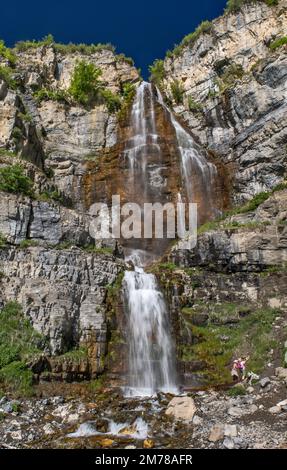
(66, 136)
(240, 116)
(251, 242)
(62, 293)
(181, 408)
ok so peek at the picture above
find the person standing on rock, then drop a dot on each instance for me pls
(235, 372)
(243, 367)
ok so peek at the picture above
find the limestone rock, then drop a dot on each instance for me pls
(181, 408)
(216, 433)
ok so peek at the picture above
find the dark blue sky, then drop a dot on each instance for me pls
(142, 29)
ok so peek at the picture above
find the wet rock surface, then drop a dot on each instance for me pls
(106, 419)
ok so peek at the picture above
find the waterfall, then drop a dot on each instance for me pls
(197, 173)
(151, 350)
(151, 358)
(151, 364)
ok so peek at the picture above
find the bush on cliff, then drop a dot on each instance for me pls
(157, 72)
(18, 342)
(236, 5)
(7, 54)
(278, 43)
(14, 180)
(177, 91)
(86, 85)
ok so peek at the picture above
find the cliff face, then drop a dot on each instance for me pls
(234, 95)
(233, 92)
(65, 136)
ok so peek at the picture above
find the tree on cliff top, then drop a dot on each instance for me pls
(85, 85)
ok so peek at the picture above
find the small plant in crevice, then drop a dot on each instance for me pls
(280, 42)
(177, 91)
(193, 105)
(44, 94)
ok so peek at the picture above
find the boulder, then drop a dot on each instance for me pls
(264, 382)
(216, 433)
(281, 373)
(181, 408)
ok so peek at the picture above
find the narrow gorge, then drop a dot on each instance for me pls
(128, 342)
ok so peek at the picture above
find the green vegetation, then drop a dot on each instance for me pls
(237, 391)
(85, 49)
(6, 74)
(14, 180)
(26, 117)
(234, 6)
(78, 354)
(85, 85)
(51, 195)
(3, 242)
(7, 153)
(97, 384)
(106, 250)
(157, 72)
(112, 101)
(204, 28)
(27, 243)
(128, 91)
(238, 332)
(7, 54)
(18, 342)
(123, 58)
(44, 94)
(193, 105)
(278, 43)
(22, 46)
(177, 91)
(227, 80)
(250, 206)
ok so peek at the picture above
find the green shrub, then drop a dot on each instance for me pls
(85, 49)
(157, 72)
(26, 117)
(123, 58)
(17, 133)
(27, 243)
(7, 153)
(177, 91)
(22, 46)
(112, 101)
(236, 391)
(193, 105)
(278, 43)
(228, 78)
(13, 180)
(17, 378)
(85, 85)
(18, 342)
(204, 28)
(128, 91)
(6, 74)
(7, 54)
(51, 195)
(234, 6)
(45, 94)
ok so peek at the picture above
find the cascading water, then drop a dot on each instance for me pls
(197, 173)
(151, 358)
(151, 365)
